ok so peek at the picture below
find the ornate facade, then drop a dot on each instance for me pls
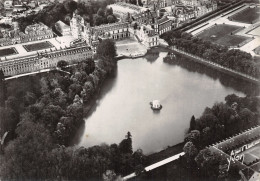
(47, 59)
(81, 29)
(187, 9)
(146, 35)
(163, 25)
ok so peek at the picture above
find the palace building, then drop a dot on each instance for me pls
(47, 58)
(32, 33)
(82, 29)
(62, 28)
(187, 9)
(147, 36)
(163, 25)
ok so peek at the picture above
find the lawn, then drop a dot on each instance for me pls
(231, 40)
(7, 51)
(221, 34)
(249, 15)
(37, 46)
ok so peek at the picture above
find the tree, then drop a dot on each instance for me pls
(8, 120)
(25, 157)
(98, 20)
(88, 66)
(190, 151)
(2, 89)
(12, 103)
(193, 136)
(192, 123)
(223, 166)
(101, 12)
(111, 19)
(247, 119)
(109, 175)
(107, 49)
(109, 11)
(51, 115)
(126, 145)
(62, 64)
(209, 163)
(70, 6)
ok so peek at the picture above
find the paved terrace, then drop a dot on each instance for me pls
(58, 43)
(130, 48)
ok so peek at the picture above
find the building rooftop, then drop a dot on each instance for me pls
(58, 43)
(62, 24)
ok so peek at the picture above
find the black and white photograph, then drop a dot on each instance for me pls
(129, 90)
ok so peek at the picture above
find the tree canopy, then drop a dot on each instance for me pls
(107, 49)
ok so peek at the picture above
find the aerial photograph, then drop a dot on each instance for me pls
(129, 90)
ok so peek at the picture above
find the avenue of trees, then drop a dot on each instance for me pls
(233, 59)
(221, 121)
(94, 12)
(44, 112)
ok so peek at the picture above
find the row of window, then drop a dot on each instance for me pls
(30, 66)
(22, 40)
(67, 53)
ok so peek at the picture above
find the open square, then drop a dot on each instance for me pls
(37, 46)
(222, 34)
(7, 51)
(249, 15)
(129, 47)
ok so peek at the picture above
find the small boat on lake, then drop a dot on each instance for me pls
(155, 105)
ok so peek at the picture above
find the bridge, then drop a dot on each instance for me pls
(156, 165)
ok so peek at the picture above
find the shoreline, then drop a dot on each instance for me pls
(215, 66)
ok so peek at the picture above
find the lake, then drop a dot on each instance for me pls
(185, 89)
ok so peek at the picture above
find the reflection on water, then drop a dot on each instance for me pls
(229, 81)
(184, 89)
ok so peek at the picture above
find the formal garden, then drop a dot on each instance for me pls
(38, 46)
(249, 15)
(7, 51)
(223, 34)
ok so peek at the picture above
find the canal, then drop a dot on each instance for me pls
(184, 88)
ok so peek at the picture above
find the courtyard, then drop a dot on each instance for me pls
(130, 47)
(249, 15)
(223, 34)
(38, 46)
(7, 51)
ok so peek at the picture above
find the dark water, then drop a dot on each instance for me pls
(184, 88)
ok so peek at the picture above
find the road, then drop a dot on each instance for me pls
(156, 165)
(33, 73)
